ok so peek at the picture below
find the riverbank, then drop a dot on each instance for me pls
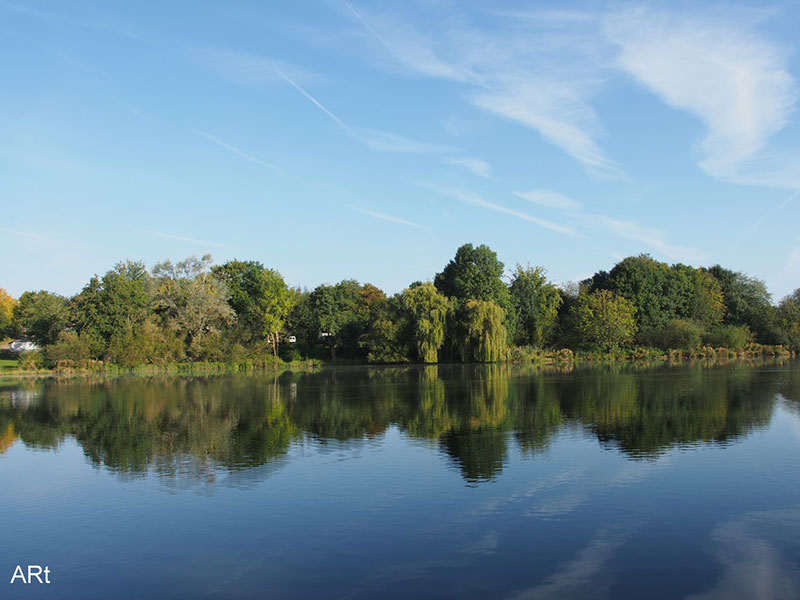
(564, 357)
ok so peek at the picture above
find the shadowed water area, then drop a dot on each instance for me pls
(427, 482)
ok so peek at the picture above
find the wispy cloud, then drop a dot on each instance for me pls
(246, 68)
(519, 73)
(476, 200)
(238, 152)
(550, 199)
(654, 238)
(734, 80)
(477, 166)
(388, 218)
(183, 238)
(390, 142)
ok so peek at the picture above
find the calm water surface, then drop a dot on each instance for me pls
(438, 482)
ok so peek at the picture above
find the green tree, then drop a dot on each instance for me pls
(259, 296)
(747, 302)
(341, 314)
(486, 337)
(388, 337)
(192, 302)
(41, 316)
(646, 283)
(604, 320)
(789, 319)
(474, 274)
(536, 302)
(113, 306)
(428, 311)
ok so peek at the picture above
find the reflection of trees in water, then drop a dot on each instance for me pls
(189, 428)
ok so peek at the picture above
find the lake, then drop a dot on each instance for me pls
(453, 481)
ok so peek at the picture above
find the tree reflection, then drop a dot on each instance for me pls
(193, 427)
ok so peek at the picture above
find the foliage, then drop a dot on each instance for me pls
(604, 320)
(678, 333)
(789, 319)
(473, 274)
(41, 316)
(110, 307)
(260, 298)
(428, 311)
(192, 303)
(485, 337)
(7, 304)
(728, 336)
(536, 303)
(747, 302)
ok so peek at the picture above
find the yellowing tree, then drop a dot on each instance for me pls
(7, 304)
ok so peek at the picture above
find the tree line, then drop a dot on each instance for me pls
(472, 311)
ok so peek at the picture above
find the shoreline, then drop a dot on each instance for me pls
(558, 359)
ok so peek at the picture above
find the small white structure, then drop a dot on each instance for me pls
(291, 339)
(22, 346)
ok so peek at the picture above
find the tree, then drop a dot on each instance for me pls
(192, 302)
(7, 304)
(259, 296)
(388, 338)
(277, 304)
(747, 302)
(115, 305)
(789, 319)
(603, 319)
(428, 311)
(41, 316)
(474, 274)
(536, 303)
(341, 314)
(486, 335)
(646, 283)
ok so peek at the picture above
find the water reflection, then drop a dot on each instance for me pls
(189, 428)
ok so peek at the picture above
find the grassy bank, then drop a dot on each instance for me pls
(29, 366)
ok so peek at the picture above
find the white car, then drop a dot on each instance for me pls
(22, 346)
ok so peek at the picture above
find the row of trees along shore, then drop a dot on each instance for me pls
(472, 311)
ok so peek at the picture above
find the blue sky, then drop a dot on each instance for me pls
(369, 140)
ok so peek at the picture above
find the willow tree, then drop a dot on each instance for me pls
(428, 310)
(486, 336)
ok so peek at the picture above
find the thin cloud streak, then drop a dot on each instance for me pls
(386, 217)
(475, 200)
(477, 166)
(182, 238)
(654, 238)
(317, 103)
(772, 212)
(238, 152)
(550, 199)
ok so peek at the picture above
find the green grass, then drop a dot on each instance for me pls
(7, 364)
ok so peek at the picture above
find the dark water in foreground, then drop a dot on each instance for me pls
(452, 482)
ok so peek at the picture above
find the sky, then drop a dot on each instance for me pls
(369, 140)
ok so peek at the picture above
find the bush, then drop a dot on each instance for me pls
(734, 337)
(31, 361)
(70, 349)
(677, 334)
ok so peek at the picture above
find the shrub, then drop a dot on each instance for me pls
(734, 337)
(678, 333)
(70, 349)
